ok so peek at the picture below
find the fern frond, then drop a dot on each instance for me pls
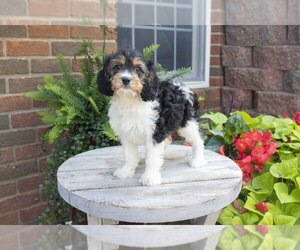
(90, 100)
(68, 79)
(149, 51)
(48, 116)
(175, 74)
(53, 133)
(109, 132)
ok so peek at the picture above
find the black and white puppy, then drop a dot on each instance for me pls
(147, 111)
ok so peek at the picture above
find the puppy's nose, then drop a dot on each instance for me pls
(126, 80)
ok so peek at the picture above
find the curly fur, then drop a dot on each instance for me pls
(147, 111)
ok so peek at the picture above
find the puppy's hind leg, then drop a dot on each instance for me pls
(192, 135)
(131, 161)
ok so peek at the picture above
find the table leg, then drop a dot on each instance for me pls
(92, 220)
(210, 219)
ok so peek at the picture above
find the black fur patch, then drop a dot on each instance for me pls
(174, 110)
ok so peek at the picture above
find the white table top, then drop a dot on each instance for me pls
(86, 182)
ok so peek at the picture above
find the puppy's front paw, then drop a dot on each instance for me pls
(124, 172)
(197, 163)
(150, 179)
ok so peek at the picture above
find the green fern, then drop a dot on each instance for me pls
(109, 132)
(149, 51)
(174, 75)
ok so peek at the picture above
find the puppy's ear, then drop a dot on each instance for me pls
(103, 78)
(150, 88)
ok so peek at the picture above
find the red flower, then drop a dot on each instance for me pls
(285, 115)
(241, 145)
(297, 117)
(262, 207)
(221, 150)
(262, 229)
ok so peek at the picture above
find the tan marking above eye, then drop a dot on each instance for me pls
(138, 62)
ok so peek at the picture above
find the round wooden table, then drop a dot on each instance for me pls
(86, 182)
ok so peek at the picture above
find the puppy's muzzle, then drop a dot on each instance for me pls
(126, 81)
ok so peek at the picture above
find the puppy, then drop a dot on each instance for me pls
(147, 111)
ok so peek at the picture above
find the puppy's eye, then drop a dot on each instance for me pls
(117, 67)
(138, 70)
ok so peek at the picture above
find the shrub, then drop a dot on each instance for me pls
(267, 149)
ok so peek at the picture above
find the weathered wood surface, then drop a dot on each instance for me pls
(150, 236)
(86, 182)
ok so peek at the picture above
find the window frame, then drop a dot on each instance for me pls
(196, 36)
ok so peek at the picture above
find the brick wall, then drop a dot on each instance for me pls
(262, 69)
(27, 53)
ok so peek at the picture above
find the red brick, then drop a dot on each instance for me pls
(19, 169)
(30, 182)
(18, 202)
(216, 81)
(56, 8)
(9, 241)
(218, 29)
(14, 102)
(39, 104)
(24, 84)
(9, 219)
(27, 48)
(31, 237)
(7, 188)
(216, 50)
(28, 151)
(32, 213)
(234, 98)
(21, 120)
(276, 103)
(215, 61)
(217, 39)
(17, 31)
(86, 9)
(235, 56)
(41, 132)
(277, 57)
(48, 31)
(92, 32)
(6, 155)
(47, 65)
(1, 48)
(42, 164)
(254, 79)
(13, 66)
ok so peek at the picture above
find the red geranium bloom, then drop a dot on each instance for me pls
(297, 117)
(241, 145)
(262, 207)
(262, 229)
(284, 115)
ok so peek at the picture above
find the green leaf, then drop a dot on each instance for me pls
(226, 215)
(249, 218)
(214, 143)
(263, 183)
(292, 209)
(267, 243)
(236, 125)
(282, 219)
(281, 243)
(246, 117)
(287, 169)
(268, 121)
(217, 118)
(267, 219)
(298, 181)
(282, 192)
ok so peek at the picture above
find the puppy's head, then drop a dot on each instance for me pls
(128, 73)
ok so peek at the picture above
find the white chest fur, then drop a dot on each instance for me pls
(132, 119)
